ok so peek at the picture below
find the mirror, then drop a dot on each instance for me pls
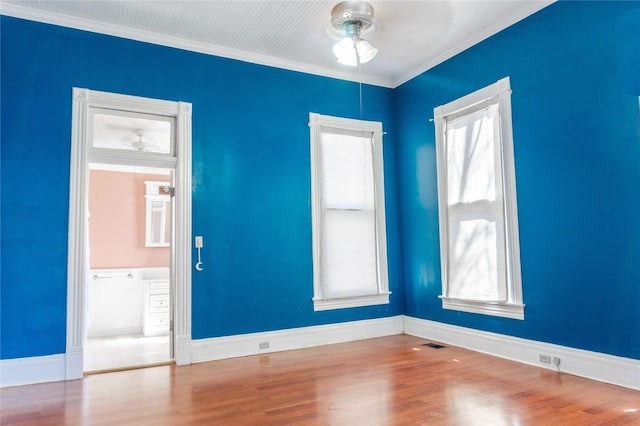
(158, 205)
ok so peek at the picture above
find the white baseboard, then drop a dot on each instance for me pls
(37, 369)
(74, 363)
(96, 334)
(591, 365)
(294, 338)
(182, 350)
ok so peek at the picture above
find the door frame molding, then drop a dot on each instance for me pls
(77, 268)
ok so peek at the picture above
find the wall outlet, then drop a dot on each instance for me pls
(546, 359)
(263, 345)
(556, 361)
(199, 241)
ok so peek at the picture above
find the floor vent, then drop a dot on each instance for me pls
(434, 345)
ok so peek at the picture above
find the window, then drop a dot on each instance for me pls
(131, 131)
(480, 253)
(349, 237)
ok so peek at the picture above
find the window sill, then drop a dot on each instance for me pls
(498, 309)
(350, 302)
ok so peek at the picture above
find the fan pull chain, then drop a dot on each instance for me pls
(359, 79)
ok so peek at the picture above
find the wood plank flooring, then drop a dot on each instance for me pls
(387, 381)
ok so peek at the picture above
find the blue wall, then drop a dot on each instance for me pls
(251, 179)
(574, 71)
(575, 76)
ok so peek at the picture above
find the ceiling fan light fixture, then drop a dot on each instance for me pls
(351, 18)
(141, 145)
(366, 51)
(346, 52)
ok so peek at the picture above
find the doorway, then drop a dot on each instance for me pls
(128, 293)
(113, 131)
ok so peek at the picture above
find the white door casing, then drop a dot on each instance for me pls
(81, 154)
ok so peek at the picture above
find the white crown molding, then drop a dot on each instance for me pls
(591, 365)
(16, 11)
(495, 28)
(294, 338)
(10, 9)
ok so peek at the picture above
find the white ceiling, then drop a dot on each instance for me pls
(412, 36)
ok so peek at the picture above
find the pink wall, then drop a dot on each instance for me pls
(117, 221)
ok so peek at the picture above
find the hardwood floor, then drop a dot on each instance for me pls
(387, 381)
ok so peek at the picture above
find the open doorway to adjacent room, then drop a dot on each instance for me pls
(129, 283)
(128, 290)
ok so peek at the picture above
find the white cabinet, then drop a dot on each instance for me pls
(156, 308)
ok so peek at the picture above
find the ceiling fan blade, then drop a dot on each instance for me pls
(151, 148)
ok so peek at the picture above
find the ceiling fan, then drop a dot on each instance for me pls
(141, 145)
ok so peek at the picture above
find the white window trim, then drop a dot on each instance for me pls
(513, 307)
(316, 121)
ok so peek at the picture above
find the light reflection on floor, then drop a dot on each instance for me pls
(471, 407)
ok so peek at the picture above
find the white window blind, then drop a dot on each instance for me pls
(474, 207)
(348, 265)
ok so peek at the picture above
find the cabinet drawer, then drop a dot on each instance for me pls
(159, 287)
(159, 321)
(159, 303)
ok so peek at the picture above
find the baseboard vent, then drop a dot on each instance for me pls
(434, 345)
